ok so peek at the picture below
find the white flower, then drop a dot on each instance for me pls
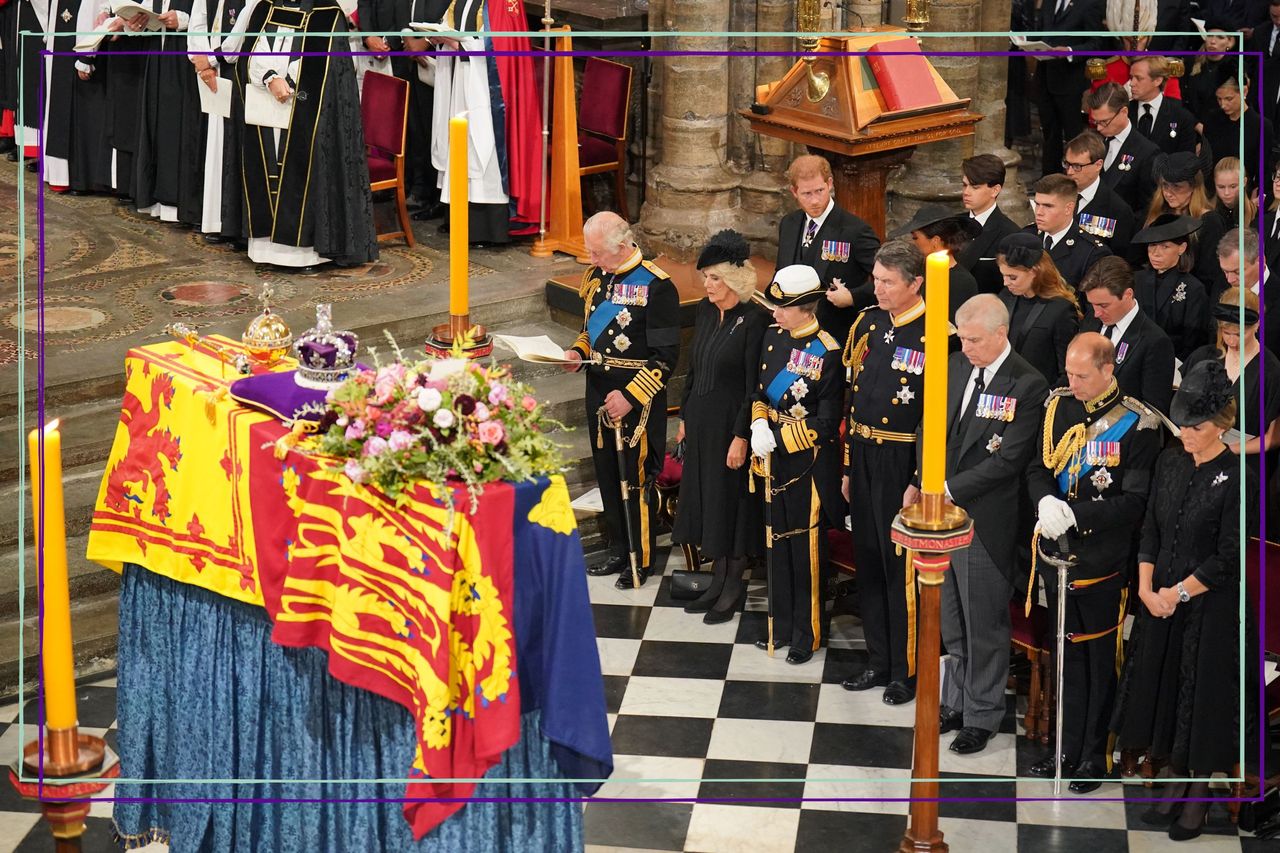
(428, 399)
(443, 419)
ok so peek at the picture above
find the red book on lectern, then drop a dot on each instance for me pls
(905, 79)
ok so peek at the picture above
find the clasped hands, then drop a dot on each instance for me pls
(1161, 604)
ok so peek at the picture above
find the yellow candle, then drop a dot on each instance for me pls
(937, 284)
(458, 297)
(58, 663)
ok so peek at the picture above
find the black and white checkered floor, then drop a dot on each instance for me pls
(690, 704)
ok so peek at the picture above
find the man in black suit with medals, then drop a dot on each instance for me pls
(1246, 273)
(839, 245)
(885, 356)
(1144, 363)
(394, 16)
(1089, 483)
(995, 399)
(631, 339)
(1072, 250)
(795, 421)
(1061, 77)
(1100, 212)
(983, 177)
(1160, 118)
(1128, 166)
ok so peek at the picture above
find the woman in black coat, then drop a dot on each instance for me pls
(1166, 292)
(1180, 190)
(1044, 314)
(716, 512)
(1176, 699)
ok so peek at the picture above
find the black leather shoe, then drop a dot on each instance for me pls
(124, 200)
(216, 239)
(11, 155)
(33, 165)
(1043, 769)
(1154, 817)
(970, 739)
(799, 656)
(414, 202)
(900, 692)
(1090, 774)
(865, 680)
(1178, 832)
(428, 212)
(763, 645)
(611, 566)
(625, 581)
(949, 720)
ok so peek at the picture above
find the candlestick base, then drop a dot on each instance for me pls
(82, 759)
(474, 340)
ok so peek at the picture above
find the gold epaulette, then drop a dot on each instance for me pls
(657, 271)
(1148, 418)
(827, 340)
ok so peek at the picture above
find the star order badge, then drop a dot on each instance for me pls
(905, 394)
(994, 444)
(799, 389)
(1101, 479)
(622, 342)
(798, 412)
(623, 319)
(65, 16)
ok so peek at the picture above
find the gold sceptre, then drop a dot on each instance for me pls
(809, 20)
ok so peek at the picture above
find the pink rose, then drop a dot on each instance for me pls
(355, 430)
(375, 446)
(491, 432)
(498, 393)
(400, 440)
(529, 403)
(482, 412)
(353, 470)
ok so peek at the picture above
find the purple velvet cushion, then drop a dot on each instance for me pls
(277, 394)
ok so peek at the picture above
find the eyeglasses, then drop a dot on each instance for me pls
(1102, 123)
(1069, 167)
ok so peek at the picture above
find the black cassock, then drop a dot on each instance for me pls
(169, 165)
(310, 187)
(1178, 691)
(123, 80)
(716, 512)
(77, 128)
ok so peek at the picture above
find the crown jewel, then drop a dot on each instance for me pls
(325, 357)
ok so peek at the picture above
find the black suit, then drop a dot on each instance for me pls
(844, 248)
(1062, 81)
(1132, 174)
(1074, 253)
(1105, 205)
(1144, 361)
(392, 16)
(1171, 17)
(1261, 42)
(988, 449)
(1040, 331)
(979, 255)
(1173, 128)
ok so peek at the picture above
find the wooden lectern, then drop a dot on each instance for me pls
(850, 123)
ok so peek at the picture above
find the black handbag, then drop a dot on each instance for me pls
(687, 585)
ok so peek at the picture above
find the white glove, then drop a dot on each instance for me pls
(1056, 516)
(762, 441)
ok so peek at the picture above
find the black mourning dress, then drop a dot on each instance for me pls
(1040, 330)
(716, 512)
(1177, 696)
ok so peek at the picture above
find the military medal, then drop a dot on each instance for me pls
(909, 360)
(631, 294)
(1220, 479)
(994, 444)
(835, 250)
(1180, 292)
(1101, 479)
(1173, 130)
(1126, 162)
(905, 394)
(1098, 226)
(1102, 453)
(799, 389)
(798, 412)
(994, 407)
(622, 342)
(804, 363)
(1121, 352)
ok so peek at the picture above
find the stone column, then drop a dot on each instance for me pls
(764, 197)
(932, 175)
(993, 85)
(692, 193)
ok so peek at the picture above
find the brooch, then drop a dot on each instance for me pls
(623, 319)
(1101, 479)
(1220, 479)
(905, 394)
(622, 342)
(66, 15)
(994, 444)
(798, 412)
(799, 389)
(1180, 292)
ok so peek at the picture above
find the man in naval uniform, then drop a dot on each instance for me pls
(1090, 482)
(631, 337)
(1072, 250)
(795, 417)
(885, 357)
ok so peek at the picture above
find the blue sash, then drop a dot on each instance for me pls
(606, 311)
(787, 377)
(1114, 433)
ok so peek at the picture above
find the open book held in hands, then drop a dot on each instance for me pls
(540, 349)
(128, 10)
(430, 28)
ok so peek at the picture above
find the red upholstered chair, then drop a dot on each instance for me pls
(602, 124)
(1031, 635)
(384, 109)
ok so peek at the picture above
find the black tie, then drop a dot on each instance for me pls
(971, 411)
(1106, 331)
(1048, 242)
(1144, 123)
(1079, 204)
